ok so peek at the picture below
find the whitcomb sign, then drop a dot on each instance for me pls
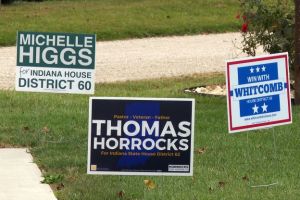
(55, 62)
(258, 92)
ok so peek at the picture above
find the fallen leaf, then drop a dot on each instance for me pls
(149, 184)
(25, 128)
(60, 186)
(201, 150)
(221, 184)
(45, 129)
(121, 194)
(245, 178)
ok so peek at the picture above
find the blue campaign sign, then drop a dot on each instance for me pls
(258, 92)
(141, 136)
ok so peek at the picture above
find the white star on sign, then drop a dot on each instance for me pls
(264, 107)
(257, 69)
(263, 68)
(251, 70)
(255, 109)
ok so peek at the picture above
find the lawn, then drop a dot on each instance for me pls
(119, 19)
(54, 127)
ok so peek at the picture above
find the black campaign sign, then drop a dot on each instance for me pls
(141, 136)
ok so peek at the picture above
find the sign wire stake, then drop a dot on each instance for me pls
(268, 185)
(275, 158)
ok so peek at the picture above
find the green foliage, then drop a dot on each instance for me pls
(268, 24)
(6, 2)
(11, 1)
(50, 179)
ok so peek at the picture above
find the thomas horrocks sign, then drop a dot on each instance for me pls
(141, 136)
(258, 92)
(55, 62)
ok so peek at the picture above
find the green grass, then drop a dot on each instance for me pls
(119, 19)
(228, 158)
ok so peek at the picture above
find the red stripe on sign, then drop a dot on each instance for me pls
(285, 56)
(259, 125)
(256, 59)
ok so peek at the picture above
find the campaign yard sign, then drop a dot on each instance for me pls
(258, 92)
(55, 62)
(141, 136)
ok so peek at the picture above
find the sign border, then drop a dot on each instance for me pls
(232, 129)
(141, 173)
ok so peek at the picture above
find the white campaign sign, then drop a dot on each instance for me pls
(58, 80)
(258, 92)
(55, 62)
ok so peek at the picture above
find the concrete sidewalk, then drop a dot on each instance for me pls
(20, 177)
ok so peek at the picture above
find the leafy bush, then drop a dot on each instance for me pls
(268, 25)
(6, 2)
(50, 179)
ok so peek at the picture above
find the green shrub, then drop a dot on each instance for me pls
(6, 2)
(270, 25)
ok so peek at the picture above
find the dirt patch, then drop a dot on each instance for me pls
(2, 145)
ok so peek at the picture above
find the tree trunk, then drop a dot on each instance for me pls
(297, 52)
